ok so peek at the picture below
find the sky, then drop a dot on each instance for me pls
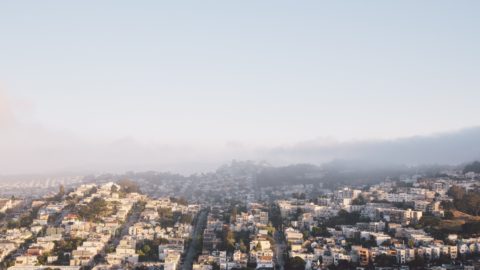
(205, 76)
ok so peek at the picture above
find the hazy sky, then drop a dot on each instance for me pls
(240, 72)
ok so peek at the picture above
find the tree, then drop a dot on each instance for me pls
(360, 200)
(417, 263)
(343, 265)
(181, 201)
(472, 167)
(275, 216)
(387, 243)
(215, 266)
(468, 202)
(94, 210)
(295, 263)
(243, 247)
(384, 260)
(471, 228)
(92, 190)
(230, 240)
(411, 243)
(129, 186)
(166, 217)
(233, 214)
(443, 259)
(148, 250)
(61, 190)
(63, 247)
(297, 214)
(42, 259)
(456, 192)
(60, 194)
(449, 215)
(98, 259)
(298, 196)
(185, 219)
(473, 202)
(320, 231)
(343, 218)
(447, 205)
(429, 221)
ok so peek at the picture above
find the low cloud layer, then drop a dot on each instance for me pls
(27, 148)
(445, 148)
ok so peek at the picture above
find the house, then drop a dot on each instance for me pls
(293, 236)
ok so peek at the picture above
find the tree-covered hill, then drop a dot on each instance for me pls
(472, 167)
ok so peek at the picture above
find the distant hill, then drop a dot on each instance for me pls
(340, 172)
(288, 175)
(472, 167)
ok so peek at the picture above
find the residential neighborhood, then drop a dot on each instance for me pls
(413, 222)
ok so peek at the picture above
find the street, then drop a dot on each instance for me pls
(197, 231)
(280, 248)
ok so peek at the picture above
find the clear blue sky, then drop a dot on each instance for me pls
(247, 71)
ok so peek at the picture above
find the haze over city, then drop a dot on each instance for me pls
(239, 135)
(186, 87)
